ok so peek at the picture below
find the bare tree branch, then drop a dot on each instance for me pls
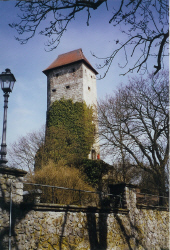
(22, 152)
(136, 120)
(145, 24)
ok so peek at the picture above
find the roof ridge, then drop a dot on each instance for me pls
(70, 52)
(81, 53)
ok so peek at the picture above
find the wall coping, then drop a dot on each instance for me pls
(71, 208)
(12, 171)
(123, 184)
(149, 207)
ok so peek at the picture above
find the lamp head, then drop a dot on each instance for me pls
(7, 81)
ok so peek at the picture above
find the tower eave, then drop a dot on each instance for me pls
(46, 71)
(69, 58)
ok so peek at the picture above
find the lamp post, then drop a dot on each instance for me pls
(7, 81)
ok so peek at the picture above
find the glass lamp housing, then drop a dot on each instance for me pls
(7, 81)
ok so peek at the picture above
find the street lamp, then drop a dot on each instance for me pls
(7, 81)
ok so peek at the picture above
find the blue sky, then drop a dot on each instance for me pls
(27, 103)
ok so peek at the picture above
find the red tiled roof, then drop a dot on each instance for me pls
(68, 58)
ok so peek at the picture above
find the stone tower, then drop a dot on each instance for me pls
(71, 76)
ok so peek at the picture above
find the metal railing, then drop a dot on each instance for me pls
(69, 196)
(152, 200)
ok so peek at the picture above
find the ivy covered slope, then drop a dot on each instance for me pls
(69, 134)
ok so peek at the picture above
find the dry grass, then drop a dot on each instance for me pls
(63, 176)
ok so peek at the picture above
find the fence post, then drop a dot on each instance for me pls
(80, 197)
(158, 200)
(53, 195)
(120, 204)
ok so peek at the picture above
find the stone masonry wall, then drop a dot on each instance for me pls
(90, 97)
(87, 230)
(89, 86)
(75, 81)
(65, 82)
(11, 194)
(52, 226)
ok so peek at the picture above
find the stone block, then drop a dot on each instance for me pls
(19, 192)
(19, 185)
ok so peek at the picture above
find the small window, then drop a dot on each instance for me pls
(53, 90)
(88, 88)
(93, 154)
(67, 87)
(91, 76)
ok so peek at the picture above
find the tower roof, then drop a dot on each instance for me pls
(69, 58)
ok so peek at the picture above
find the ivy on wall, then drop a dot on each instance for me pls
(69, 134)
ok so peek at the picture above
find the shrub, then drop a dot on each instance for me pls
(63, 176)
(94, 171)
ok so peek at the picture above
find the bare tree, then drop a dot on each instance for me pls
(135, 120)
(22, 152)
(144, 22)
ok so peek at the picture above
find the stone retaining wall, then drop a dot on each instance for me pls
(90, 230)
(50, 226)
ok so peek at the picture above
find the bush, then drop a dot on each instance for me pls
(94, 171)
(63, 176)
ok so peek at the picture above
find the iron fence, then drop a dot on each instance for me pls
(68, 196)
(40, 193)
(152, 200)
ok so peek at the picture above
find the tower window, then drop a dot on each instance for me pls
(53, 90)
(88, 88)
(67, 87)
(93, 154)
